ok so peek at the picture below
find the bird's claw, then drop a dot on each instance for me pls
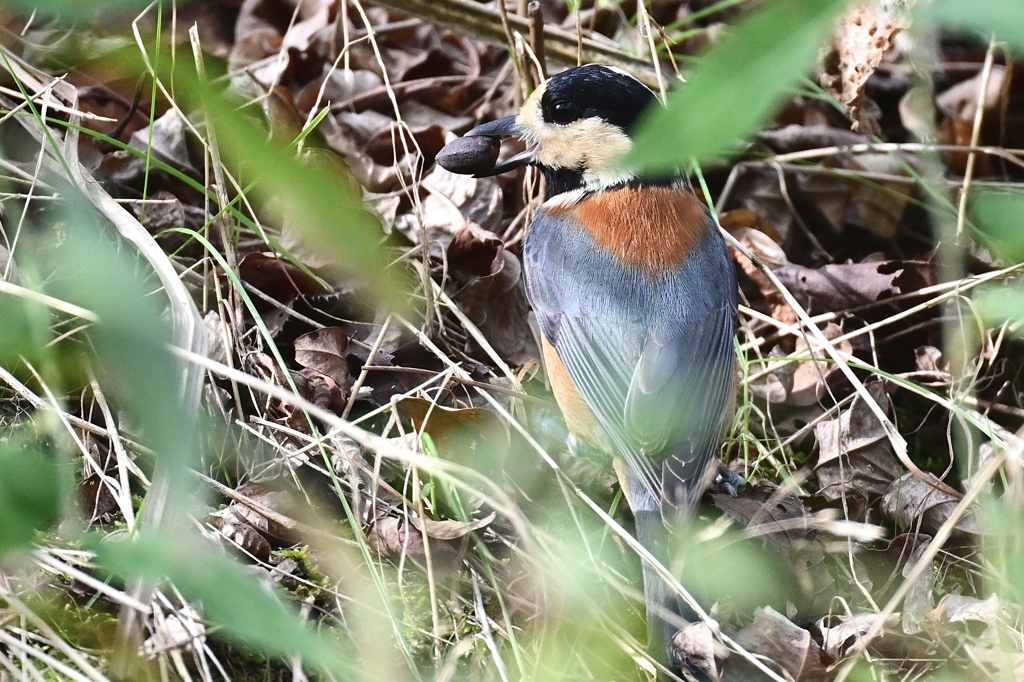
(728, 480)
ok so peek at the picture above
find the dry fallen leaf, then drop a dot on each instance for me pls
(799, 383)
(863, 37)
(239, 533)
(917, 505)
(451, 529)
(182, 630)
(697, 644)
(958, 608)
(847, 285)
(493, 296)
(838, 639)
(324, 351)
(276, 277)
(995, 662)
(397, 539)
(959, 105)
(866, 192)
(961, 100)
(920, 597)
(783, 645)
(473, 437)
(855, 458)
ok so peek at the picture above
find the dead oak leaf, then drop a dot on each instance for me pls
(842, 286)
(323, 350)
(788, 647)
(862, 38)
(855, 457)
(472, 437)
(915, 504)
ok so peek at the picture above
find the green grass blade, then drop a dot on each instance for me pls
(737, 86)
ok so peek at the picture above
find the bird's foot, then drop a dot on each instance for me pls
(728, 481)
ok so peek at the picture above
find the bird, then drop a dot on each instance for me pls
(635, 294)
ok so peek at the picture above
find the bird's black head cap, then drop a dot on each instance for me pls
(594, 91)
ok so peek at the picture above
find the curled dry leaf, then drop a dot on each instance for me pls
(312, 386)
(810, 377)
(841, 633)
(862, 38)
(929, 359)
(961, 101)
(848, 285)
(959, 105)
(776, 385)
(798, 383)
(453, 203)
(319, 389)
(451, 529)
(915, 504)
(168, 140)
(494, 298)
(757, 235)
(236, 530)
(323, 350)
(264, 367)
(215, 331)
(958, 608)
(475, 252)
(472, 437)
(479, 200)
(855, 458)
(782, 643)
(396, 538)
(697, 644)
(277, 499)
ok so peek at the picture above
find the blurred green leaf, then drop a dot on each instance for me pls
(130, 341)
(752, 574)
(1001, 18)
(249, 612)
(32, 490)
(737, 86)
(312, 193)
(1003, 304)
(1004, 548)
(77, 8)
(17, 331)
(995, 216)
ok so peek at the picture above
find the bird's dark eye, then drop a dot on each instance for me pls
(564, 112)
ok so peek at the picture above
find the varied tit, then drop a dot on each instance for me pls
(636, 298)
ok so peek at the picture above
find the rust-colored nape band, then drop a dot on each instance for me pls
(651, 227)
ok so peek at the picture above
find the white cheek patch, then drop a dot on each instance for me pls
(591, 145)
(530, 118)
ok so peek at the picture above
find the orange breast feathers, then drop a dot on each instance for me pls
(651, 227)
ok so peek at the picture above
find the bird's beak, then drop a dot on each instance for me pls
(503, 127)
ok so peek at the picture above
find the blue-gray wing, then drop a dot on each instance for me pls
(652, 357)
